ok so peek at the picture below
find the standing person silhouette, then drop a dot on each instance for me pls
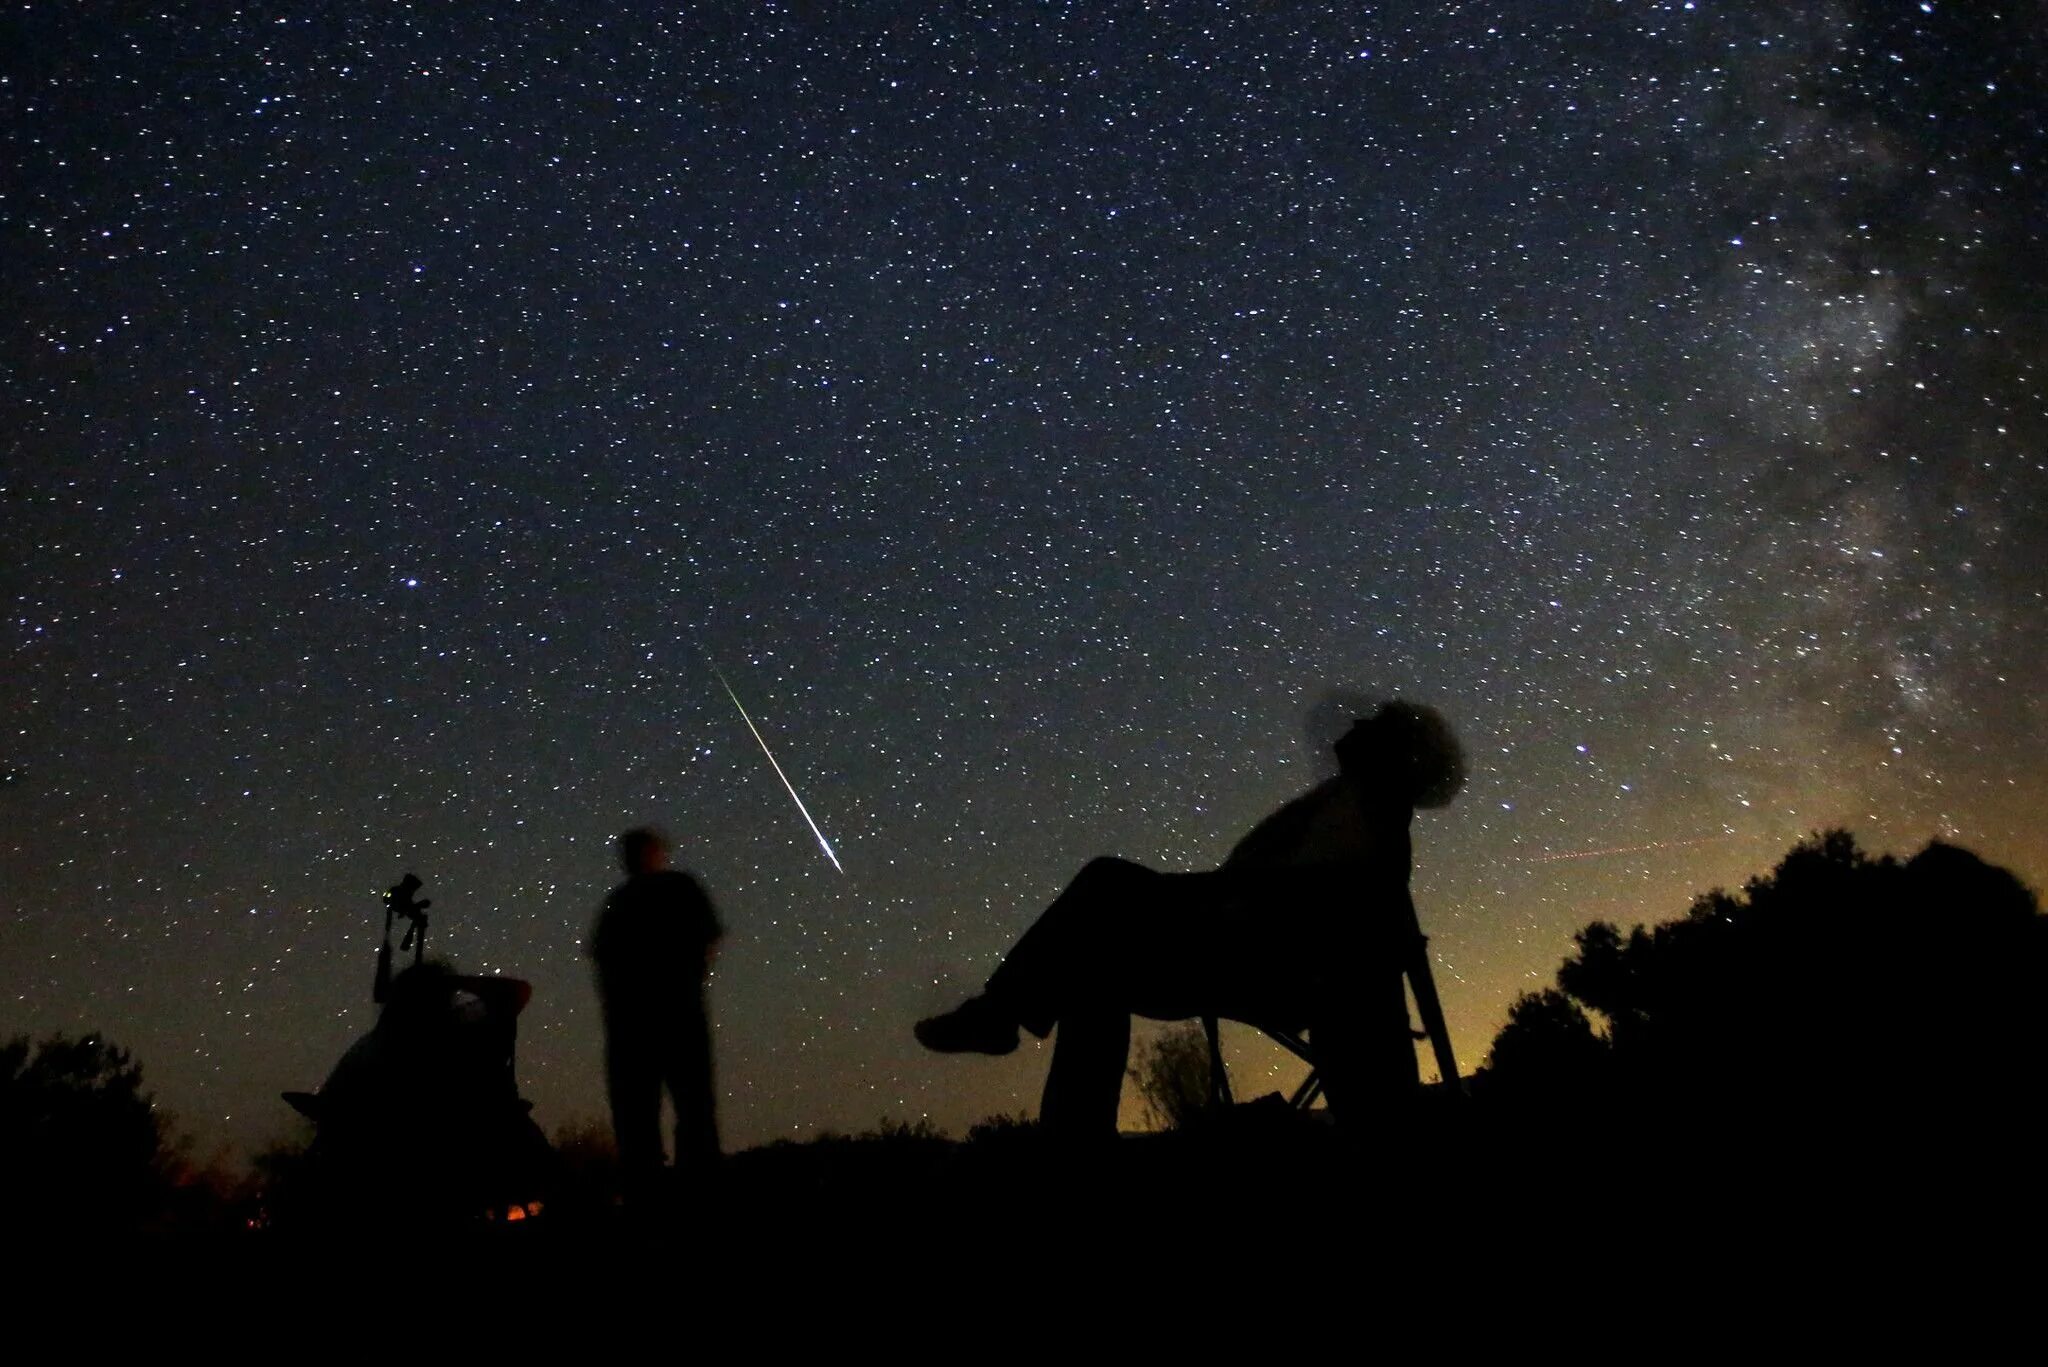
(653, 946)
(1304, 926)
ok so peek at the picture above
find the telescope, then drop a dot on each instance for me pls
(401, 900)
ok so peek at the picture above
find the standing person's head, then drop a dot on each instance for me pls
(643, 850)
(1408, 749)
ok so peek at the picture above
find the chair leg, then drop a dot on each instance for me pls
(1422, 982)
(1219, 1077)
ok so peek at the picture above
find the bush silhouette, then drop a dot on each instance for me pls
(84, 1142)
(1841, 985)
(1171, 1072)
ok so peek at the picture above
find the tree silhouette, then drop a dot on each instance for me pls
(1840, 985)
(1549, 1044)
(85, 1145)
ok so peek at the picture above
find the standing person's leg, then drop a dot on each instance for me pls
(633, 1077)
(692, 1082)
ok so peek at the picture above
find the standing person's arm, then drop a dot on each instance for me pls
(705, 925)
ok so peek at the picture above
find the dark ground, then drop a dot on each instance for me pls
(1456, 1186)
(1465, 1229)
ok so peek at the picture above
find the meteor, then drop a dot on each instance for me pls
(1625, 849)
(823, 843)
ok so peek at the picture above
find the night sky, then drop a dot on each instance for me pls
(1036, 411)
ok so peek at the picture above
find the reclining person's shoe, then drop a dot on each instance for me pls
(975, 1027)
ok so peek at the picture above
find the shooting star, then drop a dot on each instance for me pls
(823, 843)
(1626, 849)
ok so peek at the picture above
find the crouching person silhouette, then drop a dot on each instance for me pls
(1305, 926)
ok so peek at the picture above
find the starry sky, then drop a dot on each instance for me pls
(1039, 412)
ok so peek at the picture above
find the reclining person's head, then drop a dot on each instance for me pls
(1407, 747)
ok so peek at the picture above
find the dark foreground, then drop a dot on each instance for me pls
(1258, 1232)
(1453, 1190)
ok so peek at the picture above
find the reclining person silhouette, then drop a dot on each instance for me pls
(1305, 926)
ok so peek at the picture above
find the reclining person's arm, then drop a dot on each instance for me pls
(1276, 841)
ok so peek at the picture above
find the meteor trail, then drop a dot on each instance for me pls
(823, 843)
(1624, 849)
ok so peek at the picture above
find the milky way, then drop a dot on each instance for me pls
(1037, 409)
